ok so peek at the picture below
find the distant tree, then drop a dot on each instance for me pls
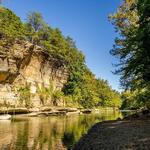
(36, 27)
(35, 20)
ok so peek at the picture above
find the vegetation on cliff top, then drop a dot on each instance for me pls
(82, 88)
(11, 27)
(132, 47)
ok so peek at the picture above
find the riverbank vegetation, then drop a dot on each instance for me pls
(82, 89)
(132, 47)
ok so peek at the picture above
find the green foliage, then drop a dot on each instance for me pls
(136, 99)
(57, 97)
(44, 93)
(128, 101)
(108, 97)
(132, 47)
(143, 41)
(25, 95)
(125, 22)
(11, 27)
(36, 28)
(90, 92)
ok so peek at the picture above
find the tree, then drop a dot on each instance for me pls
(125, 22)
(143, 39)
(36, 27)
(132, 47)
(35, 20)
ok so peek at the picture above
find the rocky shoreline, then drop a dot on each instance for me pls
(45, 111)
(50, 110)
(131, 133)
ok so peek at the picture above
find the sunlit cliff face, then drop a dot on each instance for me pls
(26, 65)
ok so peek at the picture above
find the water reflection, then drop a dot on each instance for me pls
(48, 133)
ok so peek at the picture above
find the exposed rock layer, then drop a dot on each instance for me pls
(25, 64)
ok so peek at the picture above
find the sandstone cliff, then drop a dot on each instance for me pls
(26, 67)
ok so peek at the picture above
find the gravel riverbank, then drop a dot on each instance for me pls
(127, 134)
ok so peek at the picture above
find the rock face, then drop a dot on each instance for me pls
(26, 66)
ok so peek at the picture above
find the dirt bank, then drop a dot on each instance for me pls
(131, 133)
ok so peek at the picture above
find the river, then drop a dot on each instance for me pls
(48, 133)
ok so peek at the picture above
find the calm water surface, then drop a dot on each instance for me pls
(48, 133)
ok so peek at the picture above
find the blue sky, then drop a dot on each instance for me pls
(86, 21)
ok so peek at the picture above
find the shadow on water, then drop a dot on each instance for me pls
(48, 133)
(68, 139)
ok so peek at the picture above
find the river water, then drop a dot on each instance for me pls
(48, 133)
